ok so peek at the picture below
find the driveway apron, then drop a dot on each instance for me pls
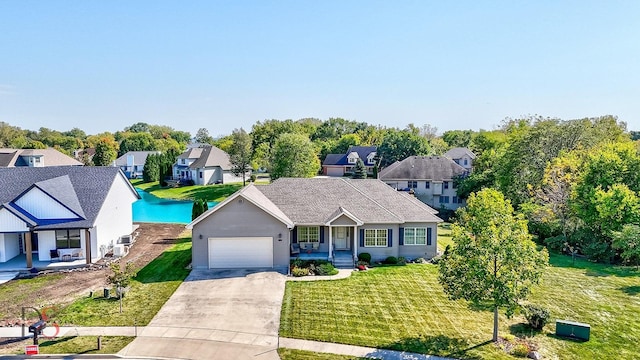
(216, 314)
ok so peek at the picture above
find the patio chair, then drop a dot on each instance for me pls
(76, 254)
(53, 254)
(295, 249)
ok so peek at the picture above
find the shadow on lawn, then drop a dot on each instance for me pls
(433, 345)
(591, 268)
(630, 290)
(212, 192)
(523, 330)
(169, 266)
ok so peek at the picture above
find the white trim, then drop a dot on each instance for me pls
(415, 228)
(346, 213)
(386, 238)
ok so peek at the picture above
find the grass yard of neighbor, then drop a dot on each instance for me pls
(444, 236)
(215, 193)
(150, 289)
(405, 308)
(291, 354)
(84, 345)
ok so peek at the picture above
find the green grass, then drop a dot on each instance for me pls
(19, 291)
(205, 192)
(290, 354)
(444, 236)
(150, 289)
(405, 308)
(84, 345)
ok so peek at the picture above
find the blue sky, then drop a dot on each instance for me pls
(104, 65)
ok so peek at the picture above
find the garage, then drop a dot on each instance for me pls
(335, 171)
(240, 252)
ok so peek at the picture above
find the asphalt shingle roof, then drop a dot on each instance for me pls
(341, 159)
(139, 157)
(207, 156)
(435, 168)
(315, 201)
(90, 186)
(50, 156)
(459, 152)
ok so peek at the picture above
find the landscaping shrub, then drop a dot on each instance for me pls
(402, 260)
(434, 260)
(520, 350)
(297, 271)
(555, 243)
(536, 315)
(253, 178)
(366, 257)
(391, 260)
(326, 269)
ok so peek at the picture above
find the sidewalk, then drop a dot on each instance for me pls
(352, 350)
(15, 332)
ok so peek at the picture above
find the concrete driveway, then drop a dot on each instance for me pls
(216, 314)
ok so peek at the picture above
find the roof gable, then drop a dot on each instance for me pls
(459, 152)
(11, 220)
(41, 206)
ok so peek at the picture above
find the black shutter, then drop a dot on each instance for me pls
(401, 236)
(361, 237)
(429, 236)
(390, 238)
(321, 234)
(294, 238)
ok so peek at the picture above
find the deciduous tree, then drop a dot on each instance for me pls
(294, 156)
(240, 153)
(494, 261)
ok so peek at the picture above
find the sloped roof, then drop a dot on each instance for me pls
(435, 168)
(459, 152)
(139, 157)
(89, 187)
(52, 157)
(341, 159)
(207, 156)
(315, 200)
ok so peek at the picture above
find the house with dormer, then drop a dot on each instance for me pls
(204, 165)
(461, 156)
(35, 158)
(343, 164)
(62, 213)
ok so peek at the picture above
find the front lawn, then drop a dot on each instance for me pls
(404, 308)
(291, 354)
(215, 193)
(18, 291)
(150, 289)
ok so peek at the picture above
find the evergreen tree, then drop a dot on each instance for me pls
(359, 171)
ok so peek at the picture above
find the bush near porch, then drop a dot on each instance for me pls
(301, 267)
(405, 308)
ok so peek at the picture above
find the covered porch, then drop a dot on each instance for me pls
(19, 263)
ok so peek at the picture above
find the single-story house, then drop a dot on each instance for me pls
(461, 156)
(132, 163)
(430, 178)
(343, 164)
(333, 219)
(204, 165)
(35, 158)
(63, 211)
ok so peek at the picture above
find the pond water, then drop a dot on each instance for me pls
(153, 209)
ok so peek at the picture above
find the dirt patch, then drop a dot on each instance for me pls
(152, 240)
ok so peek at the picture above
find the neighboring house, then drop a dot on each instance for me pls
(333, 219)
(79, 212)
(462, 156)
(132, 163)
(342, 164)
(85, 156)
(35, 158)
(204, 165)
(430, 178)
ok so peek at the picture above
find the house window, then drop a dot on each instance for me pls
(200, 174)
(446, 184)
(68, 239)
(375, 237)
(412, 184)
(455, 200)
(415, 236)
(444, 199)
(426, 185)
(352, 160)
(465, 161)
(308, 234)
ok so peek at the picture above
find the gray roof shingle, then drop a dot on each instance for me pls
(50, 156)
(459, 152)
(90, 186)
(435, 168)
(139, 157)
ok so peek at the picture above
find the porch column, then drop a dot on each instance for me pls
(330, 244)
(87, 245)
(28, 250)
(355, 242)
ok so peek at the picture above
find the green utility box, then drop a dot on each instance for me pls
(572, 329)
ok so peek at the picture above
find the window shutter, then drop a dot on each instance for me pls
(390, 238)
(401, 236)
(361, 237)
(429, 236)
(321, 234)
(294, 238)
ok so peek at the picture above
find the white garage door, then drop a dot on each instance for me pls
(241, 252)
(338, 171)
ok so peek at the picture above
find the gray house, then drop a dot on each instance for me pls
(132, 163)
(204, 165)
(320, 218)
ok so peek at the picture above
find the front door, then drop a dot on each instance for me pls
(340, 237)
